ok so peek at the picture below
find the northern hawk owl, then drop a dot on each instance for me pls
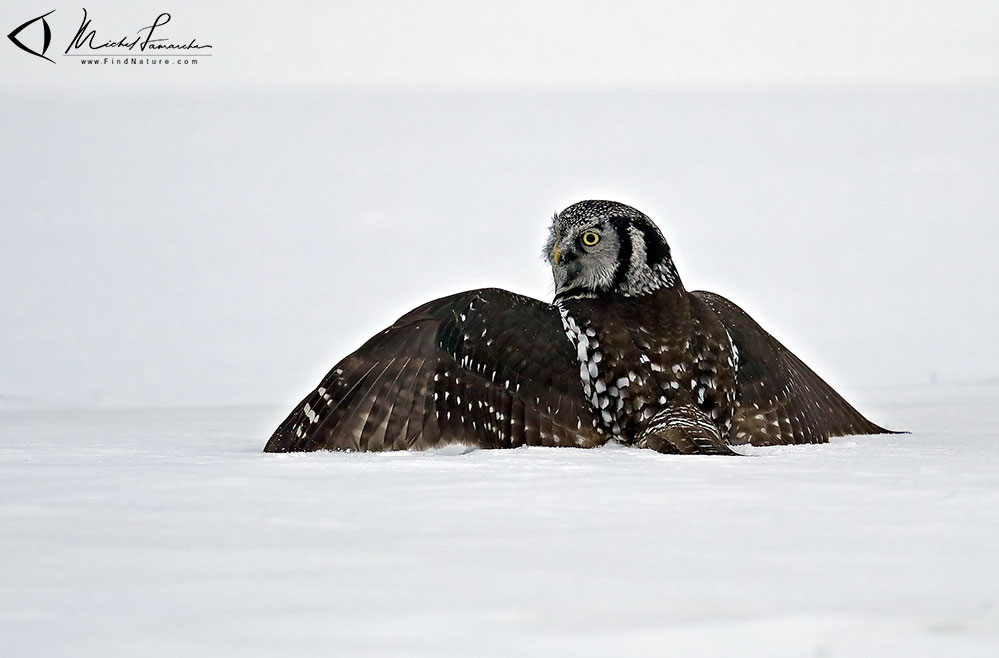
(624, 353)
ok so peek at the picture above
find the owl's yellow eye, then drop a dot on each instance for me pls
(590, 238)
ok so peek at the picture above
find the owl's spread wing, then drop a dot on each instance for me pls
(780, 399)
(486, 367)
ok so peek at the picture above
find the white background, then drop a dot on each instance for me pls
(222, 233)
(177, 239)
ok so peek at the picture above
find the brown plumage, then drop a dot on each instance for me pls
(624, 353)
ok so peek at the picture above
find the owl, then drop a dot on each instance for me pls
(624, 353)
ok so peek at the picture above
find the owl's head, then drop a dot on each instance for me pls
(597, 247)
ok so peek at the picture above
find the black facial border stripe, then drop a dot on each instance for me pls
(620, 225)
(656, 250)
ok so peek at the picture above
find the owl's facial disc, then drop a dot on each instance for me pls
(584, 260)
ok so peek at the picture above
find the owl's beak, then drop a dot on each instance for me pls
(565, 269)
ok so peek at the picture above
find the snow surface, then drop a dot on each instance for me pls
(167, 532)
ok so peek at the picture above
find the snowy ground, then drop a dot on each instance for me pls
(168, 533)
